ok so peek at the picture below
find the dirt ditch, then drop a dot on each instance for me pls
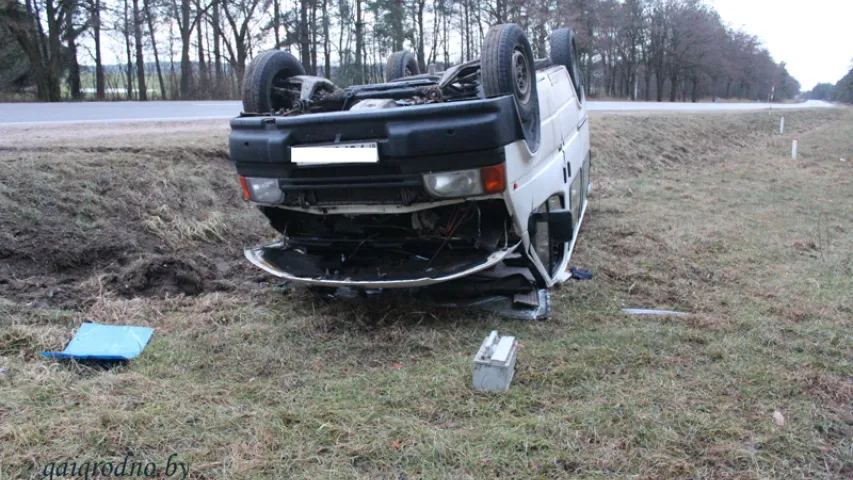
(78, 222)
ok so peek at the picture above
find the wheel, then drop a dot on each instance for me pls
(506, 68)
(401, 64)
(564, 52)
(265, 71)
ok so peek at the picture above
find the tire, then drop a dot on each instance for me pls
(564, 52)
(400, 65)
(507, 68)
(264, 71)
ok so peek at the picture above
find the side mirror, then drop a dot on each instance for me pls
(560, 224)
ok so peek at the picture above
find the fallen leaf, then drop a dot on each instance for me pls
(449, 425)
(397, 366)
(780, 419)
(322, 450)
(395, 444)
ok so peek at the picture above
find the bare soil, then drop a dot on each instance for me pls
(123, 208)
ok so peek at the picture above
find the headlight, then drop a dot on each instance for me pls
(460, 183)
(262, 190)
(465, 183)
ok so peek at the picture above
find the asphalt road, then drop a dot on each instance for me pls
(111, 112)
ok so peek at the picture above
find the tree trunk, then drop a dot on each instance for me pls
(73, 66)
(694, 91)
(435, 29)
(276, 22)
(660, 80)
(147, 8)
(217, 52)
(240, 67)
(420, 47)
(140, 59)
(202, 66)
(327, 54)
(304, 35)
(446, 42)
(126, 33)
(673, 88)
(343, 62)
(54, 70)
(186, 65)
(467, 30)
(30, 38)
(359, 44)
(478, 17)
(314, 30)
(100, 88)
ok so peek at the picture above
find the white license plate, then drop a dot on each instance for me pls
(355, 152)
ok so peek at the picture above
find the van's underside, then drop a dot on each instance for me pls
(388, 250)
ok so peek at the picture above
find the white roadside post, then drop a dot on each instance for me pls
(782, 126)
(794, 149)
(494, 364)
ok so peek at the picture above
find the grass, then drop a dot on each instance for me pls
(246, 379)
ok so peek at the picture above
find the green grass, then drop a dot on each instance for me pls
(251, 382)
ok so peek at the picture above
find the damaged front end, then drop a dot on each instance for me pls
(417, 248)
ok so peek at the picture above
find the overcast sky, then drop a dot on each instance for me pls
(815, 37)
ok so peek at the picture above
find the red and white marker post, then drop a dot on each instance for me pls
(772, 94)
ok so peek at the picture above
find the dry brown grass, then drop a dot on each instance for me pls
(247, 380)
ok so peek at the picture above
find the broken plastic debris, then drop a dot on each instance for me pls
(642, 311)
(501, 305)
(580, 273)
(105, 342)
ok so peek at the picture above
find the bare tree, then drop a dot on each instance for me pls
(124, 28)
(140, 58)
(146, 6)
(327, 54)
(95, 15)
(186, 19)
(359, 43)
(239, 16)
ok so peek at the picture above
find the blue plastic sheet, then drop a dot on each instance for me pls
(105, 342)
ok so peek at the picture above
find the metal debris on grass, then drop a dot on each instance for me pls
(642, 311)
(494, 364)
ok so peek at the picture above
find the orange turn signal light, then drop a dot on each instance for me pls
(494, 178)
(245, 186)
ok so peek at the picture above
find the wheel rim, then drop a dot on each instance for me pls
(523, 84)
